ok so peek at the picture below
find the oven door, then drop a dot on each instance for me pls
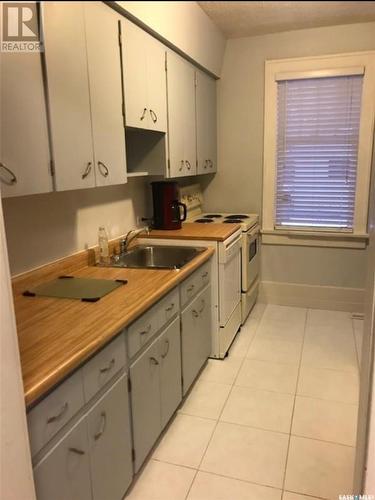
(229, 279)
(250, 258)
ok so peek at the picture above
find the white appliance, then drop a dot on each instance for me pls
(193, 198)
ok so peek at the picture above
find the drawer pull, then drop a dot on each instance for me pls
(77, 451)
(170, 307)
(154, 361)
(109, 367)
(59, 415)
(146, 331)
(204, 275)
(203, 306)
(191, 288)
(167, 351)
(103, 423)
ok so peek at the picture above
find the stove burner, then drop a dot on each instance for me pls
(237, 216)
(232, 221)
(204, 221)
(213, 216)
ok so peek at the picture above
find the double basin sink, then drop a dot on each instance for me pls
(156, 257)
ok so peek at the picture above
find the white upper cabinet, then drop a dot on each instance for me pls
(24, 155)
(85, 96)
(144, 79)
(68, 95)
(104, 64)
(181, 116)
(206, 124)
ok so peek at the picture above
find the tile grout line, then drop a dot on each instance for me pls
(294, 403)
(222, 409)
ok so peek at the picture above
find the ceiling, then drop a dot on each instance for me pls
(240, 19)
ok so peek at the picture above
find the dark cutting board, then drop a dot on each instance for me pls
(69, 287)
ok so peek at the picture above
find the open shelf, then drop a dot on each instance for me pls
(137, 174)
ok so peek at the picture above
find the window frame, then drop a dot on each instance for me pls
(310, 67)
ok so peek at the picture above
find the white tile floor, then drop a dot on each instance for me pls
(276, 420)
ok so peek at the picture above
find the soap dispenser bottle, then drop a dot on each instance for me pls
(103, 246)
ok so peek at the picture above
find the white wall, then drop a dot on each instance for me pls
(186, 26)
(16, 480)
(43, 228)
(238, 184)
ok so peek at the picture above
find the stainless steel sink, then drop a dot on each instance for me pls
(156, 257)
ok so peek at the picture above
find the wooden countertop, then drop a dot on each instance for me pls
(57, 335)
(196, 231)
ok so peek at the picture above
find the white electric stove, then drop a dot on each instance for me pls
(193, 199)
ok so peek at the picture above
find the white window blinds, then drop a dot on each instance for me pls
(317, 147)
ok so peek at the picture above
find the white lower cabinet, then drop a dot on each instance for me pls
(110, 444)
(64, 473)
(195, 336)
(93, 460)
(155, 389)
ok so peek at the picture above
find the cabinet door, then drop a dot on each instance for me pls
(110, 443)
(195, 336)
(64, 473)
(170, 370)
(181, 116)
(134, 61)
(68, 94)
(156, 85)
(145, 399)
(206, 124)
(24, 133)
(104, 65)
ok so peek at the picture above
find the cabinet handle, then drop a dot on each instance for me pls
(188, 164)
(204, 275)
(195, 313)
(59, 415)
(182, 165)
(146, 331)
(103, 169)
(211, 163)
(143, 114)
(167, 351)
(203, 306)
(109, 367)
(191, 288)
(205, 164)
(87, 170)
(154, 361)
(13, 178)
(154, 116)
(170, 307)
(103, 422)
(77, 451)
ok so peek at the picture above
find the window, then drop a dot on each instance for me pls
(317, 152)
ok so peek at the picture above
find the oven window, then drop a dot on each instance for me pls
(252, 250)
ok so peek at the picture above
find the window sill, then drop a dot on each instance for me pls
(313, 239)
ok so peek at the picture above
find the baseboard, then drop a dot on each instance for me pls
(312, 296)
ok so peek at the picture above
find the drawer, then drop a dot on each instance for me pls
(102, 367)
(142, 330)
(53, 412)
(191, 286)
(168, 307)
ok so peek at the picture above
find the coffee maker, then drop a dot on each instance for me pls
(166, 204)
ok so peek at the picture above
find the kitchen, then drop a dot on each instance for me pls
(235, 427)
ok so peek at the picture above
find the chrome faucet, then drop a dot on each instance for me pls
(130, 236)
